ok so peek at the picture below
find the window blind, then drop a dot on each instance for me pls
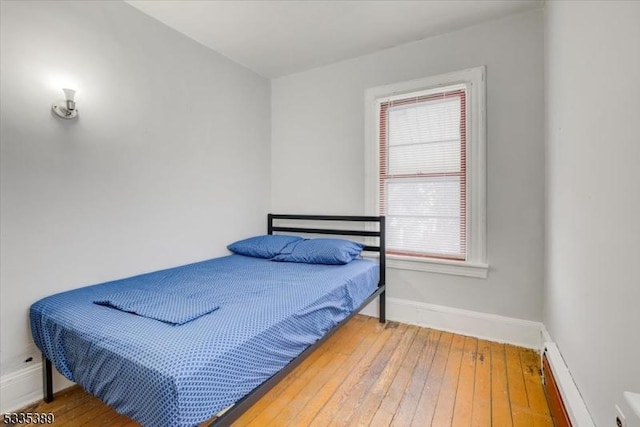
(423, 173)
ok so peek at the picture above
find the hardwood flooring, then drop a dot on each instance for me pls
(369, 374)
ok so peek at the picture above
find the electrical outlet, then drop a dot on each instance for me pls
(30, 356)
(621, 421)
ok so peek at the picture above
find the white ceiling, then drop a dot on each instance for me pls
(276, 38)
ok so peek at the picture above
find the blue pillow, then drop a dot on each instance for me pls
(321, 251)
(266, 246)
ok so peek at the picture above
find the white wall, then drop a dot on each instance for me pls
(592, 293)
(318, 153)
(167, 163)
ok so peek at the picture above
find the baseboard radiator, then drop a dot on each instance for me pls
(565, 402)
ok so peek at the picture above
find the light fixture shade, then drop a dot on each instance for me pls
(67, 108)
(69, 94)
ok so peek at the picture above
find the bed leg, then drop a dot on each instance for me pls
(47, 380)
(383, 315)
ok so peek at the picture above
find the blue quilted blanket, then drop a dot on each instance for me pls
(165, 375)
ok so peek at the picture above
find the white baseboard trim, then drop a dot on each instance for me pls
(573, 402)
(24, 387)
(523, 333)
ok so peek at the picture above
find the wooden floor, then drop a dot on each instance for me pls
(370, 374)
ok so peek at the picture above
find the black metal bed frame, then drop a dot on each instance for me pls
(235, 411)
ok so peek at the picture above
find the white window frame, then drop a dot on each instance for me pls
(474, 80)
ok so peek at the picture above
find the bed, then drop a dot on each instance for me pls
(257, 320)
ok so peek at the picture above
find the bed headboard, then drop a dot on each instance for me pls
(367, 220)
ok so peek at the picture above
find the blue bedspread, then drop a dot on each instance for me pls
(180, 375)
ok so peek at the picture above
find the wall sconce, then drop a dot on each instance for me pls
(67, 108)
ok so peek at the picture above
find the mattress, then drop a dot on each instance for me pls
(180, 375)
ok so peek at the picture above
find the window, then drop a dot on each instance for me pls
(425, 171)
(422, 173)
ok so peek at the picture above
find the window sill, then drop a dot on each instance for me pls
(456, 268)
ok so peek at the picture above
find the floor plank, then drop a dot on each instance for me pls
(285, 403)
(500, 403)
(389, 405)
(378, 390)
(370, 374)
(481, 407)
(520, 414)
(463, 409)
(325, 391)
(532, 373)
(357, 395)
(429, 399)
(351, 387)
(413, 392)
(443, 414)
(298, 395)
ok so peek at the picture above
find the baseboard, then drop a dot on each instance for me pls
(557, 407)
(576, 410)
(523, 333)
(24, 387)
